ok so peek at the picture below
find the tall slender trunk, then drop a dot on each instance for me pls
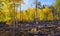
(36, 12)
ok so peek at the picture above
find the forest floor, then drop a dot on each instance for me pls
(47, 29)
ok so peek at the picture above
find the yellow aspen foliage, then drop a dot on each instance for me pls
(48, 13)
(31, 14)
(5, 13)
(21, 1)
(46, 10)
(50, 16)
(40, 14)
(24, 16)
(7, 18)
(56, 17)
(19, 16)
(2, 16)
(16, 0)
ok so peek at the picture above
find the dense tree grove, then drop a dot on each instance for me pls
(8, 13)
(57, 9)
